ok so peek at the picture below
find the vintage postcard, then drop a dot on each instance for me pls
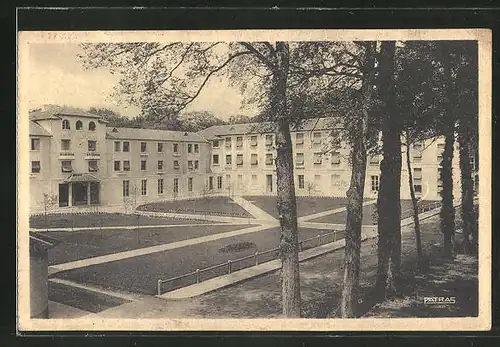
(270, 180)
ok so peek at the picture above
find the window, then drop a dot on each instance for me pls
(299, 157)
(117, 146)
(66, 166)
(210, 183)
(302, 183)
(92, 145)
(143, 165)
(92, 126)
(374, 182)
(215, 144)
(417, 180)
(418, 146)
(335, 158)
(190, 184)
(316, 139)
(299, 138)
(79, 125)
(176, 186)
(196, 164)
(374, 159)
(317, 182)
(126, 165)
(93, 166)
(239, 179)
(126, 146)
(143, 147)
(190, 165)
(176, 164)
(216, 159)
(160, 186)
(144, 187)
(253, 140)
(35, 167)
(160, 147)
(254, 159)
(229, 159)
(228, 142)
(35, 144)
(65, 145)
(196, 148)
(190, 148)
(269, 140)
(239, 159)
(117, 165)
(317, 158)
(126, 188)
(176, 148)
(239, 141)
(254, 181)
(219, 182)
(335, 180)
(65, 124)
(269, 159)
(440, 149)
(439, 181)
(160, 165)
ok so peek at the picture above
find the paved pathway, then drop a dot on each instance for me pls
(255, 211)
(205, 217)
(329, 212)
(131, 227)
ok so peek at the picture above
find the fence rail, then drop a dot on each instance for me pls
(230, 264)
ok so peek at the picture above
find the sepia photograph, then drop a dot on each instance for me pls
(254, 180)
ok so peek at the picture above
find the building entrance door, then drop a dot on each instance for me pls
(63, 195)
(94, 193)
(79, 194)
(269, 183)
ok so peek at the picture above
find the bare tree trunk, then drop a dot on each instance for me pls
(447, 210)
(467, 186)
(416, 221)
(286, 201)
(389, 202)
(355, 195)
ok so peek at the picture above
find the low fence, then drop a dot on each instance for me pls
(421, 209)
(232, 265)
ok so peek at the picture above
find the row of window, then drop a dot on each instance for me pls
(125, 147)
(253, 140)
(193, 165)
(299, 159)
(127, 190)
(79, 125)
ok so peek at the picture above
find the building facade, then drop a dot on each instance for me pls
(79, 161)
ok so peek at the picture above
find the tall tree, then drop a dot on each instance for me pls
(355, 193)
(163, 79)
(388, 202)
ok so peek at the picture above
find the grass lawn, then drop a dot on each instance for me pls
(306, 205)
(216, 205)
(77, 220)
(322, 278)
(140, 274)
(92, 243)
(340, 218)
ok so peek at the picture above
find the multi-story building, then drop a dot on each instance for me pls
(77, 160)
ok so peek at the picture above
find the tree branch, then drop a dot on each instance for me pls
(259, 55)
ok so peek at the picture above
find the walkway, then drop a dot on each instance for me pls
(255, 211)
(329, 212)
(121, 227)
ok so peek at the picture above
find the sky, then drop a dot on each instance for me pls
(56, 76)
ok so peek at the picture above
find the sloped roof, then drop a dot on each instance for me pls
(55, 111)
(264, 127)
(152, 134)
(37, 130)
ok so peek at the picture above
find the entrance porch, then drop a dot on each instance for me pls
(79, 190)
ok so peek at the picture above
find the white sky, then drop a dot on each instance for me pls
(57, 77)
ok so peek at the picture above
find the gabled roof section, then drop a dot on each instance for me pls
(217, 131)
(152, 135)
(57, 112)
(37, 130)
